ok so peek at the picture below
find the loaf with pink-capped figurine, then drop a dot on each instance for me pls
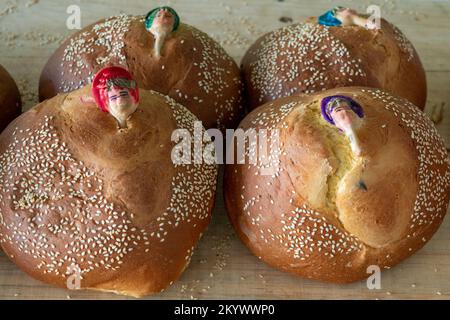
(162, 53)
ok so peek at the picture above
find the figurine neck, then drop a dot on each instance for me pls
(122, 113)
(160, 32)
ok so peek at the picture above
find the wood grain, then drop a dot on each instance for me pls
(222, 268)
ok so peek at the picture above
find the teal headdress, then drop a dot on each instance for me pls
(152, 14)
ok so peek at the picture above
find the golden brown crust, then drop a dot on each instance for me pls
(307, 57)
(194, 69)
(313, 217)
(10, 102)
(77, 192)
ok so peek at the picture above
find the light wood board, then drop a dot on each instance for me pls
(222, 268)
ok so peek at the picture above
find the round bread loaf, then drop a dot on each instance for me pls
(309, 57)
(81, 199)
(10, 102)
(323, 212)
(193, 69)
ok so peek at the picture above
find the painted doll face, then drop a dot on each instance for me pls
(164, 18)
(343, 116)
(121, 104)
(347, 12)
(345, 15)
(346, 115)
(119, 98)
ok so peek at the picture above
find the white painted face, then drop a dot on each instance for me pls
(346, 16)
(121, 104)
(161, 27)
(343, 116)
(118, 97)
(164, 19)
(347, 12)
(346, 119)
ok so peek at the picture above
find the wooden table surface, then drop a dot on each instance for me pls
(222, 268)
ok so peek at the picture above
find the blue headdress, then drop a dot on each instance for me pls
(329, 18)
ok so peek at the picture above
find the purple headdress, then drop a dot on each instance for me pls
(326, 107)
